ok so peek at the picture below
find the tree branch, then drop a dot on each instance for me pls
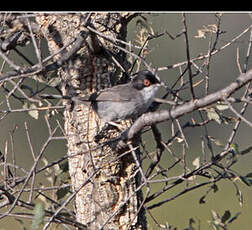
(151, 118)
(188, 56)
(20, 72)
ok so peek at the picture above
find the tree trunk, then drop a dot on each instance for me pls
(109, 200)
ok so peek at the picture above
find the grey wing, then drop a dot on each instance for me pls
(116, 93)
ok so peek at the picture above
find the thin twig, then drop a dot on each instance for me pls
(186, 190)
(201, 57)
(32, 170)
(69, 199)
(150, 118)
(248, 53)
(12, 150)
(188, 56)
(11, 63)
(238, 60)
(237, 124)
(37, 51)
(237, 113)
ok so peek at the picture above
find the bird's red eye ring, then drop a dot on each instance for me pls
(146, 82)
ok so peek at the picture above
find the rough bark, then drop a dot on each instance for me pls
(103, 199)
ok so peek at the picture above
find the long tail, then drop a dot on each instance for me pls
(50, 96)
(76, 99)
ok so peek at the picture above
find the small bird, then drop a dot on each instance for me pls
(120, 102)
(124, 101)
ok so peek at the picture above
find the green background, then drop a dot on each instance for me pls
(165, 51)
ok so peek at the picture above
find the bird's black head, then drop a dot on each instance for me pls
(144, 79)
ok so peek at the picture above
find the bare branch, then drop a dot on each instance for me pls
(36, 69)
(163, 115)
(81, 61)
(237, 113)
(201, 57)
(188, 56)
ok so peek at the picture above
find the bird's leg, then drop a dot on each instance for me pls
(114, 124)
(105, 127)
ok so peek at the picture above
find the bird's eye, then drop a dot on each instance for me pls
(146, 82)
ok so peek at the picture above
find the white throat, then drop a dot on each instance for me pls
(148, 93)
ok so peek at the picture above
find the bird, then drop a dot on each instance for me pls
(120, 102)
(124, 101)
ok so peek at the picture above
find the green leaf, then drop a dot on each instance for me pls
(62, 192)
(196, 162)
(212, 114)
(216, 226)
(225, 216)
(201, 34)
(202, 200)
(234, 217)
(191, 222)
(221, 106)
(64, 177)
(245, 180)
(215, 188)
(227, 119)
(246, 151)
(240, 196)
(249, 174)
(235, 148)
(21, 222)
(211, 28)
(215, 216)
(33, 113)
(55, 81)
(215, 141)
(64, 166)
(145, 25)
(39, 214)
